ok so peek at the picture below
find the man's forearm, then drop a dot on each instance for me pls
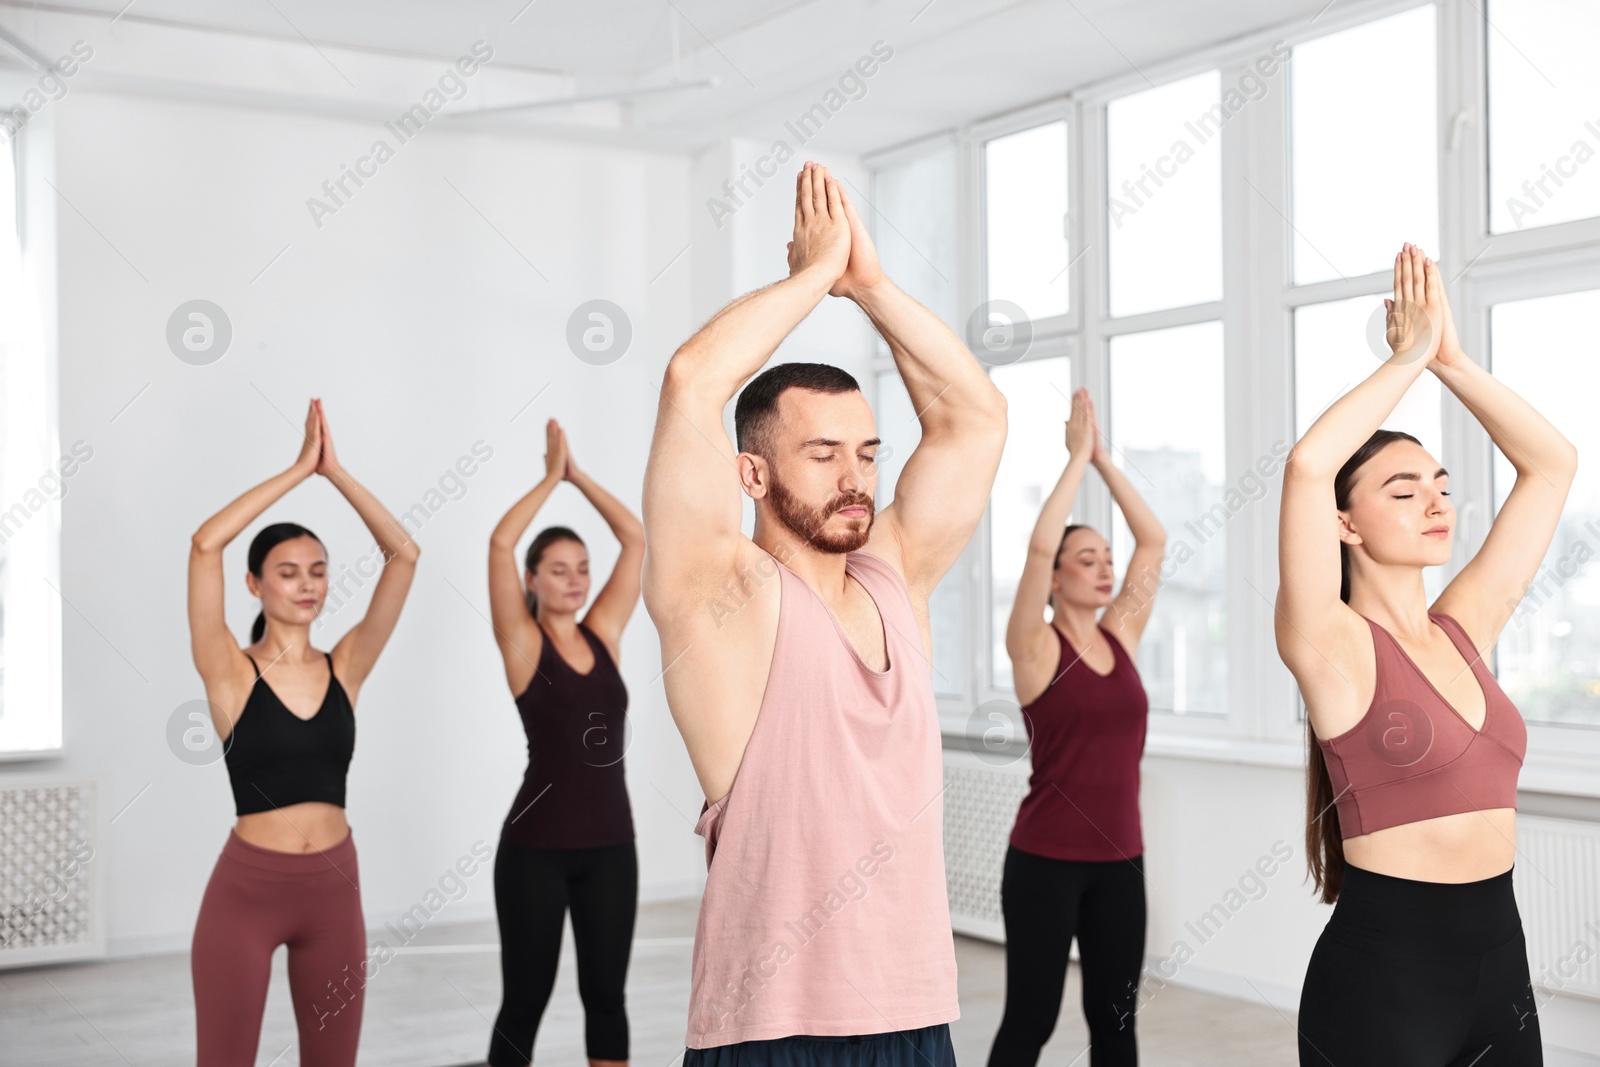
(739, 339)
(933, 361)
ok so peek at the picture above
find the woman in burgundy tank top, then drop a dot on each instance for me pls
(1412, 790)
(567, 842)
(1075, 864)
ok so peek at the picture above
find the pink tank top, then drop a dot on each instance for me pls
(825, 910)
(1412, 756)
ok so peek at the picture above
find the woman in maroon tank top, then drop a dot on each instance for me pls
(1423, 960)
(567, 842)
(1075, 863)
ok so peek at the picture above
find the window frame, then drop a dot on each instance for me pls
(1264, 725)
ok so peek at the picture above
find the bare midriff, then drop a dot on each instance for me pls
(309, 827)
(1466, 847)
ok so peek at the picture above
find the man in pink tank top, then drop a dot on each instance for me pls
(798, 662)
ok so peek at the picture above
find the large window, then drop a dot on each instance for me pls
(1544, 125)
(1025, 223)
(1038, 400)
(914, 220)
(1548, 658)
(1339, 344)
(1168, 442)
(1365, 155)
(1164, 195)
(1211, 240)
(33, 473)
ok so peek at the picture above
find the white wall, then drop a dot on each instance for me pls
(425, 331)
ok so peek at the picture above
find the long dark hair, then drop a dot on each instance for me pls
(542, 540)
(1324, 845)
(269, 538)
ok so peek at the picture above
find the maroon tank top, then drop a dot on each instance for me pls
(574, 794)
(1086, 734)
(1412, 756)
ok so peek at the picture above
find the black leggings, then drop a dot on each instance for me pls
(1420, 974)
(533, 888)
(1045, 902)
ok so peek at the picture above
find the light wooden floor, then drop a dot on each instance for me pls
(434, 1010)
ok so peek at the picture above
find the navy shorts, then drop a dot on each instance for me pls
(928, 1046)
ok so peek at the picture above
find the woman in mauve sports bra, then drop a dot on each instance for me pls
(567, 843)
(287, 874)
(1074, 866)
(1414, 749)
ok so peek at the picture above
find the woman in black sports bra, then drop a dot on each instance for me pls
(567, 841)
(285, 714)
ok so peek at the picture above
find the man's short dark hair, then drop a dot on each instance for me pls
(757, 405)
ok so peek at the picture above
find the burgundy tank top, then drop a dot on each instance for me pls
(1086, 734)
(574, 794)
(1412, 756)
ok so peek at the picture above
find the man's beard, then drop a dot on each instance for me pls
(809, 524)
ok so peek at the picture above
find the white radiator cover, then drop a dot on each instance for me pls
(980, 804)
(51, 878)
(1557, 882)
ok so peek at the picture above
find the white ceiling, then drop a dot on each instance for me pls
(954, 60)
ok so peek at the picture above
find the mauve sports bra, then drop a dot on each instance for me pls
(1412, 756)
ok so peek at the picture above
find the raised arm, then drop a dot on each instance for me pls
(514, 629)
(1129, 612)
(946, 481)
(359, 648)
(1028, 638)
(216, 651)
(1483, 595)
(1310, 619)
(692, 503)
(609, 613)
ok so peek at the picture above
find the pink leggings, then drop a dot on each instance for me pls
(258, 899)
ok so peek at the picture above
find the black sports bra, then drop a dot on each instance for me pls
(275, 758)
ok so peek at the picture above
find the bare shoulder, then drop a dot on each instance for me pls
(716, 656)
(1336, 672)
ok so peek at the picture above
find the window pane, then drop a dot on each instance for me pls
(1333, 354)
(1039, 398)
(1544, 112)
(1025, 213)
(900, 431)
(1164, 189)
(1336, 346)
(1548, 656)
(1169, 443)
(1365, 167)
(915, 221)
